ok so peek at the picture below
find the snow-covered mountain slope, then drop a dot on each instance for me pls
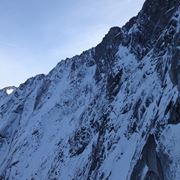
(112, 112)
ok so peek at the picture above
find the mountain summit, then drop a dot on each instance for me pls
(111, 113)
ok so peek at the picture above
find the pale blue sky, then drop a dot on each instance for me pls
(36, 34)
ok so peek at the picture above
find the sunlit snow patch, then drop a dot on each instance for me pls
(10, 89)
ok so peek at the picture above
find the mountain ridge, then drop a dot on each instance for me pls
(110, 113)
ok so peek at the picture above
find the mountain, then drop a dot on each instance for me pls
(111, 113)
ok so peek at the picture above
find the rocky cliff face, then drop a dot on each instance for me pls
(112, 112)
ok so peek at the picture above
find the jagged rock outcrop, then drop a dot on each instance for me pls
(149, 166)
(110, 113)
